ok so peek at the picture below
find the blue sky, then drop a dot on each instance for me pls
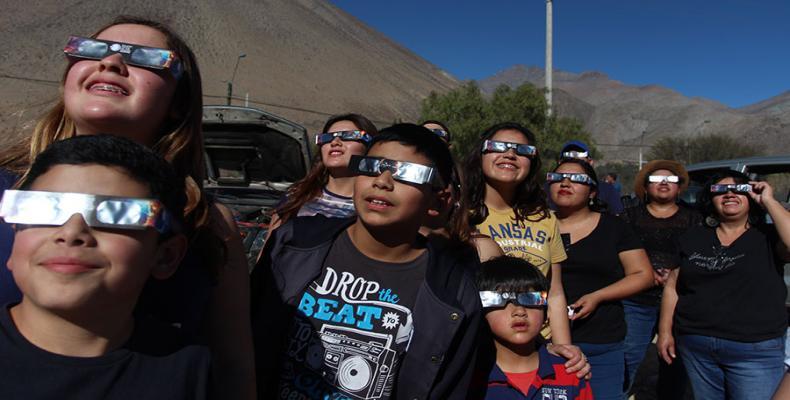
(733, 51)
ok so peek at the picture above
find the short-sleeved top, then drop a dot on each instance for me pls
(330, 205)
(593, 263)
(353, 327)
(152, 365)
(535, 241)
(733, 292)
(658, 235)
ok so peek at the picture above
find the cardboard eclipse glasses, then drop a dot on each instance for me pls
(132, 54)
(492, 299)
(28, 207)
(403, 171)
(357, 136)
(496, 146)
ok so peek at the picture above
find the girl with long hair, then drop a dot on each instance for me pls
(507, 203)
(138, 79)
(606, 263)
(328, 187)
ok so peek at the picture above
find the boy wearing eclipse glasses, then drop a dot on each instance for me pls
(94, 219)
(365, 307)
(513, 293)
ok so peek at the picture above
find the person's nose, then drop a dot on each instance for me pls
(114, 63)
(75, 232)
(384, 181)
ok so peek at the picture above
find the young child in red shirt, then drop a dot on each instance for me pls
(514, 297)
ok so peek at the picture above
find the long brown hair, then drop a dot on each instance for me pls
(180, 141)
(310, 186)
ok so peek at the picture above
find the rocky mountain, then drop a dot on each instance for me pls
(305, 59)
(620, 115)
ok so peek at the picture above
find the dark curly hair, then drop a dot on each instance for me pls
(530, 200)
(705, 199)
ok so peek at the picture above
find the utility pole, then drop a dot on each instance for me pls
(230, 82)
(549, 24)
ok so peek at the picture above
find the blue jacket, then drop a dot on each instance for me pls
(447, 311)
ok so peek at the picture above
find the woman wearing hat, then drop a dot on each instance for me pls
(657, 220)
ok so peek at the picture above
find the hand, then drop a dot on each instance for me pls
(577, 362)
(583, 307)
(666, 347)
(761, 191)
(660, 276)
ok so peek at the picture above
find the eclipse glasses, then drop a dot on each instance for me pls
(401, 170)
(663, 179)
(492, 299)
(502, 147)
(575, 154)
(28, 207)
(132, 54)
(357, 136)
(740, 188)
(554, 177)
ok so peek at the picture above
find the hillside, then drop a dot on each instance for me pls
(306, 59)
(617, 113)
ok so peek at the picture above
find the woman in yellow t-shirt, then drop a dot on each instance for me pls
(507, 203)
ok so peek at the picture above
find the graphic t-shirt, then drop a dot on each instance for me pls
(535, 241)
(353, 327)
(733, 292)
(658, 235)
(328, 204)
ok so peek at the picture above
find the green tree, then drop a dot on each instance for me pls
(467, 113)
(701, 148)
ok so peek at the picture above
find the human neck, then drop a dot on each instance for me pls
(657, 208)
(387, 245)
(135, 133)
(516, 358)
(499, 197)
(74, 335)
(341, 185)
(573, 214)
(734, 226)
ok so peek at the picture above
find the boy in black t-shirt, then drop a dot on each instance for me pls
(365, 308)
(94, 218)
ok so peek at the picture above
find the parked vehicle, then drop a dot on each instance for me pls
(252, 157)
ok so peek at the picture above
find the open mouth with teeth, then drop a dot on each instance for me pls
(105, 87)
(376, 203)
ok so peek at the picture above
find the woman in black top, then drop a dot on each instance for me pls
(605, 263)
(727, 297)
(658, 219)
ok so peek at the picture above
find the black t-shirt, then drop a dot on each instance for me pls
(152, 365)
(353, 326)
(733, 292)
(658, 235)
(593, 263)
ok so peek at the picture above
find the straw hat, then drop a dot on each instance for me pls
(641, 177)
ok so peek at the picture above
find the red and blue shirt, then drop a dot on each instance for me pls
(550, 383)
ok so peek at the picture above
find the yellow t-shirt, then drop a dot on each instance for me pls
(538, 242)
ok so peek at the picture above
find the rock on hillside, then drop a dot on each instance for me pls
(306, 59)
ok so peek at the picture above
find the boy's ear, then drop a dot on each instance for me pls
(442, 201)
(169, 255)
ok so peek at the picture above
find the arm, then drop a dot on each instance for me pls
(638, 277)
(666, 342)
(228, 325)
(763, 194)
(558, 308)
(486, 247)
